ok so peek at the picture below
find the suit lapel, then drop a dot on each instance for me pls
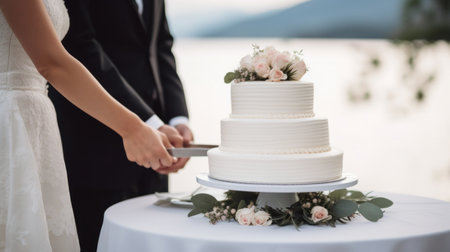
(154, 8)
(156, 18)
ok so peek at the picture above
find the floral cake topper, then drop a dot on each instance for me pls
(269, 64)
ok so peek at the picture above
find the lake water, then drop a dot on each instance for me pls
(392, 143)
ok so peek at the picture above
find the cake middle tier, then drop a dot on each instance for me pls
(274, 136)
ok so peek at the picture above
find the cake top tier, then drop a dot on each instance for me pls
(265, 99)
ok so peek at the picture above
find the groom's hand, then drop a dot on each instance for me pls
(177, 140)
(173, 135)
(186, 133)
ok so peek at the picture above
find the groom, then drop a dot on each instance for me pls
(126, 44)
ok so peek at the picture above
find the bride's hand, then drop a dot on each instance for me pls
(176, 140)
(147, 147)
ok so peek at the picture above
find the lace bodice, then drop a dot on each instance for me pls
(16, 68)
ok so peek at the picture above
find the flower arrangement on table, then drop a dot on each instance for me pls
(268, 65)
(313, 208)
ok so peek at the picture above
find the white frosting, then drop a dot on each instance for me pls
(264, 99)
(274, 136)
(275, 169)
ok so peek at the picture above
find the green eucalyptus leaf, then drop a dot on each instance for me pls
(344, 208)
(242, 204)
(229, 77)
(356, 195)
(338, 194)
(194, 211)
(203, 202)
(381, 202)
(370, 211)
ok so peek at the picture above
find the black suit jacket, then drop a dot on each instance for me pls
(130, 55)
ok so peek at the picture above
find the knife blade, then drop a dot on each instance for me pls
(193, 150)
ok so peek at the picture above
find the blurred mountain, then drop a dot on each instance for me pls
(195, 24)
(315, 18)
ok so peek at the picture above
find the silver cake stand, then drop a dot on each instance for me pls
(278, 195)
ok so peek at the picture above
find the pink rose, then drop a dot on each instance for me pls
(245, 215)
(280, 60)
(260, 57)
(277, 75)
(319, 213)
(247, 63)
(262, 69)
(299, 67)
(262, 218)
(269, 53)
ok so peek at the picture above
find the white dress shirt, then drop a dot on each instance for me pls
(155, 122)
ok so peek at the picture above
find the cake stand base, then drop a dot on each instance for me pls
(276, 200)
(278, 195)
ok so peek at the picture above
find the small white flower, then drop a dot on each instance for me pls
(314, 201)
(233, 211)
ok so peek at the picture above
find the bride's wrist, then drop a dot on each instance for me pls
(132, 125)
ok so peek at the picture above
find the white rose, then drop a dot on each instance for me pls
(319, 213)
(262, 218)
(262, 69)
(277, 75)
(245, 215)
(299, 68)
(247, 63)
(280, 60)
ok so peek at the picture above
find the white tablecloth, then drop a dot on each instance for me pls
(411, 224)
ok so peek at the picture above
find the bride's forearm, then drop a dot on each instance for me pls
(33, 27)
(74, 82)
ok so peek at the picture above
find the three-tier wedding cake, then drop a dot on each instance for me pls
(272, 135)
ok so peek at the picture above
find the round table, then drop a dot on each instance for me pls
(411, 224)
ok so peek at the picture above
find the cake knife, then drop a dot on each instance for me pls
(193, 150)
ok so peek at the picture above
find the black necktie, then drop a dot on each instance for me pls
(147, 14)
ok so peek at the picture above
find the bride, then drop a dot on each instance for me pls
(35, 209)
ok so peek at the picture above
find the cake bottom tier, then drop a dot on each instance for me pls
(275, 169)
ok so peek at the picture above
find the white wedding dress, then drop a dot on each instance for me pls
(35, 210)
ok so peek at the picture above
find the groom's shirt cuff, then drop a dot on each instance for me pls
(154, 122)
(179, 120)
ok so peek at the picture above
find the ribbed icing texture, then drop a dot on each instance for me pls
(264, 99)
(274, 136)
(275, 169)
